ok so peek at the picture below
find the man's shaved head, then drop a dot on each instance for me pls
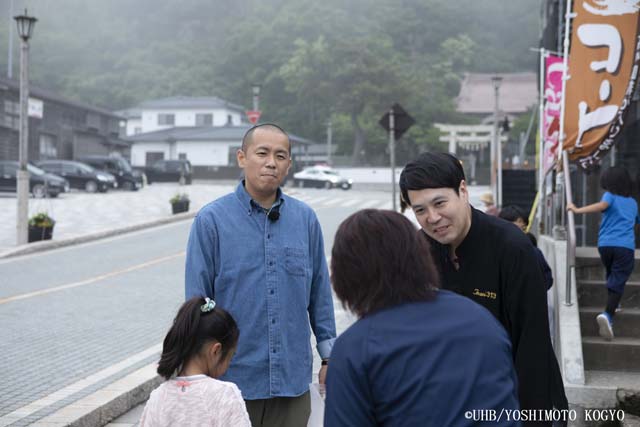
(267, 127)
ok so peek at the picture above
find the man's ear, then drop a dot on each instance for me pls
(463, 189)
(241, 157)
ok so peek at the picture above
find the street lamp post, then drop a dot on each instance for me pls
(495, 141)
(25, 29)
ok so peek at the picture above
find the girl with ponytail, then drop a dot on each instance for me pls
(196, 351)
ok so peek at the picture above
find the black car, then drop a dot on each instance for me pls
(41, 183)
(80, 175)
(128, 179)
(170, 171)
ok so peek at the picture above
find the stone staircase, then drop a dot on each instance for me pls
(623, 353)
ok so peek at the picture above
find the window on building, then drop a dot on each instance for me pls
(48, 147)
(166, 119)
(204, 119)
(151, 157)
(182, 156)
(137, 130)
(229, 119)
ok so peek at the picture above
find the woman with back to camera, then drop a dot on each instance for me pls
(417, 356)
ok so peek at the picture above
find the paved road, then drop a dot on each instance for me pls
(72, 313)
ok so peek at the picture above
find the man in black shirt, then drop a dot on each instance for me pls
(491, 262)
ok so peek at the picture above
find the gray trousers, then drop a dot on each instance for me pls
(280, 411)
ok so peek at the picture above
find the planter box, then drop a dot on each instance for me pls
(39, 233)
(179, 207)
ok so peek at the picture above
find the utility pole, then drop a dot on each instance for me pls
(329, 140)
(10, 49)
(392, 152)
(495, 140)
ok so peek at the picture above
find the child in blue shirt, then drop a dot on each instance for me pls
(616, 240)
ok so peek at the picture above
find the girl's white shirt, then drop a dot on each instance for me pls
(197, 400)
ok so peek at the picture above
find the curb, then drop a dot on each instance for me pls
(108, 403)
(31, 248)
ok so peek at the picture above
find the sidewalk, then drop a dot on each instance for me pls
(79, 213)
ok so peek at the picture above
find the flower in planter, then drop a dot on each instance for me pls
(179, 198)
(41, 219)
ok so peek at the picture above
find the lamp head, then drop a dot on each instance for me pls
(26, 24)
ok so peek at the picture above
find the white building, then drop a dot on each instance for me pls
(210, 149)
(181, 111)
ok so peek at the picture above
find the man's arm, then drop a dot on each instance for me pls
(200, 264)
(526, 308)
(321, 313)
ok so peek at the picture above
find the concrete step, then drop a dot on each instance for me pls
(593, 293)
(591, 268)
(621, 354)
(625, 324)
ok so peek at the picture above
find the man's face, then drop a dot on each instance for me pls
(266, 162)
(444, 215)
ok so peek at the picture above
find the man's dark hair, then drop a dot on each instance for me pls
(617, 180)
(247, 139)
(511, 213)
(191, 330)
(431, 170)
(379, 260)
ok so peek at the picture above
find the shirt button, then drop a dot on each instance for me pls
(273, 321)
(274, 350)
(268, 236)
(271, 291)
(270, 262)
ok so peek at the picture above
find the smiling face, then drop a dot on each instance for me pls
(266, 161)
(444, 215)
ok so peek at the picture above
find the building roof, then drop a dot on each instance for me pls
(203, 133)
(518, 92)
(44, 94)
(189, 102)
(130, 113)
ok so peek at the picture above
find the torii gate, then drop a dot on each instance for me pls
(469, 137)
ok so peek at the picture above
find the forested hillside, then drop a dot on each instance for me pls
(348, 59)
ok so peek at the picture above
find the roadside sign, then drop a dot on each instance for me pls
(253, 116)
(401, 119)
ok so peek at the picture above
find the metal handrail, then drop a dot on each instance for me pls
(571, 229)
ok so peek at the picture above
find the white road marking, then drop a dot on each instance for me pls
(92, 279)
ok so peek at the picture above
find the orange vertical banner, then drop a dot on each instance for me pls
(603, 69)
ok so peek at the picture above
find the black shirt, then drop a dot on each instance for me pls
(499, 270)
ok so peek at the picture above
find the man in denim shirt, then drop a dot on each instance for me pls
(260, 254)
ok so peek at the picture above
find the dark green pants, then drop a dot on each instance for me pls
(280, 411)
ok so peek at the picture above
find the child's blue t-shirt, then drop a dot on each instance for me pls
(618, 220)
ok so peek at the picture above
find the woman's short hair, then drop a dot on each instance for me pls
(617, 180)
(379, 260)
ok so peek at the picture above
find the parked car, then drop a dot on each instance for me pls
(41, 183)
(170, 171)
(127, 178)
(80, 175)
(321, 177)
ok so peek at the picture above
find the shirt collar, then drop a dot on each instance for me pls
(250, 204)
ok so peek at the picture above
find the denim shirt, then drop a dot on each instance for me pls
(272, 277)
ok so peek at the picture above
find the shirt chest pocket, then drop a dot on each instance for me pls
(295, 261)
